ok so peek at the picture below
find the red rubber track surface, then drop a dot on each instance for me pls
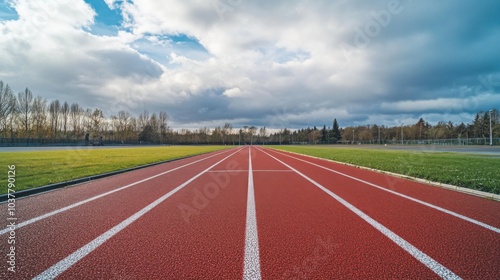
(44, 243)
(303, 233)
(468, 250)
(167, 244)
(50, 201)
(471, 206)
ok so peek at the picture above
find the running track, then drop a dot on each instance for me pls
(252, 213)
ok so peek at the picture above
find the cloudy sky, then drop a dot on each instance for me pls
(280, 63)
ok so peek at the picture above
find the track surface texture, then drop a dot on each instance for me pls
(252, 213)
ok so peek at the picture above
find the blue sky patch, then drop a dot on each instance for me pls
(181, 41)
(7, 12)
(159, 47)
(107, 22)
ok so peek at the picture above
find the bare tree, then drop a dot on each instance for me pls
(39, 116)
(262, 133)
(133, 129)
(54, 109)
(226, 131)
(25, 106)
(202, 135)
(154, 122)
(164, 128)
(97, 119)
(252, 131)
(121, 124)
(65, 110)
(76, 115)
(87, 120)
(8, 109)
(143, 120)
(217, 135)
(107, 127)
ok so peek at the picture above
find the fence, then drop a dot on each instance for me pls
(37, 142)
(40, 142)
(43, 142)
(441, 142)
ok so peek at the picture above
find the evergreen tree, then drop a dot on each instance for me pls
(485, 127)
(336, 136)
(477, 129)
(324, 135)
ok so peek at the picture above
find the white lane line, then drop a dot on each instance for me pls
(55, 212)
(465, 218)
(79, 254)
(251, 264)
(272, 171)
(227, 171)
(432, 264)
(246, 170)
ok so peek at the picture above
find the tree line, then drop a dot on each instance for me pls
(417, 132)
(27, 116)
(422, 130)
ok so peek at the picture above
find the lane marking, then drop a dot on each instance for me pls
(226, 171)
(273, 171)
(432, 264)
(79, 254)
(251, 264)
(449, 212)
(55, 212)
(246, 170)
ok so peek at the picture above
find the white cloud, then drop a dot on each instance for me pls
(256, 59)
(42, 16)
(232, 92)
(55, 57)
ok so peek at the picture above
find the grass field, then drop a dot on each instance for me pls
(34, 169)
(463, 170)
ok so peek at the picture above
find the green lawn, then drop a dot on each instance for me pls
(34, 169)
(463, 170)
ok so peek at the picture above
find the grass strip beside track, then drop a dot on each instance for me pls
(463, 170)
(39, 168)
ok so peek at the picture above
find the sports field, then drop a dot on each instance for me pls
(252, 212)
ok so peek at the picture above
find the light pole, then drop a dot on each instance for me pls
(491, 131)
(353, 136)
